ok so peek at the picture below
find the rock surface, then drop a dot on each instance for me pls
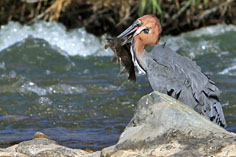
(10, 153)
(40, 135)
(162, 126)
(43, 147)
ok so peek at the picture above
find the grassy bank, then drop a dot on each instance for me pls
(112, 16)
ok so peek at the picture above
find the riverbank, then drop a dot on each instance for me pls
(107, 16)
(161, 126)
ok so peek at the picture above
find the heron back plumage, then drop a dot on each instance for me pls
(181, 78)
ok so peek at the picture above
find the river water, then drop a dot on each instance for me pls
(62, 82)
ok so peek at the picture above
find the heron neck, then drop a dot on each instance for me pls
(137, 52)
(139, 48)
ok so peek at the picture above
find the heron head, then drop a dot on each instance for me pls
(146, 28)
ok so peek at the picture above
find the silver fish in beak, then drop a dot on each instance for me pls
(122, 56)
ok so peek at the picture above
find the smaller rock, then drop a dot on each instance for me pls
(40, 135)
(43, 147)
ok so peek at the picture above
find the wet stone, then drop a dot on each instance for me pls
(40, 135)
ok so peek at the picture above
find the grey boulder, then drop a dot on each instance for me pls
(163, 126)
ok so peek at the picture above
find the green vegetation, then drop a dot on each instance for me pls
(100, 16)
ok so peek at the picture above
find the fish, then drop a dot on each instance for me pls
(122, 56)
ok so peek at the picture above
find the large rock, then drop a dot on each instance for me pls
(163, 126)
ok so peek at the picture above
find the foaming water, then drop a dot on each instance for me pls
(63, 82)
(212, 39)
(77, 42)
(73, 42)
(217, 42)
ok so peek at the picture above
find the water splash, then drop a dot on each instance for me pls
(77, 42)
(73, 42)
(211, 31)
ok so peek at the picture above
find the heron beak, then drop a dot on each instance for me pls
(128, 33)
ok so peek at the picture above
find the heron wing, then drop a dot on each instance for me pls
(181, 78)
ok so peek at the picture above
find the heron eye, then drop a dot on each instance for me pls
(146, 30)
(139, 23)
